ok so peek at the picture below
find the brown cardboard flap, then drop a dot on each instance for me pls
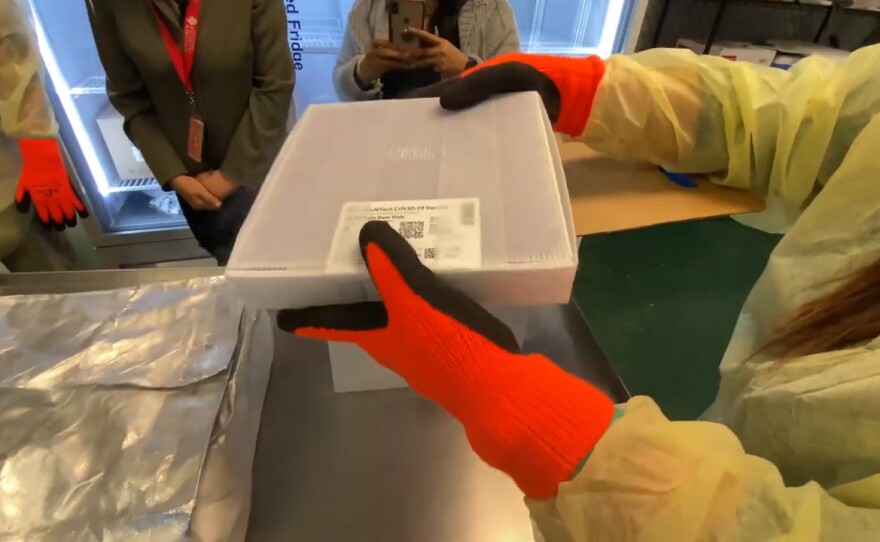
(612, 195)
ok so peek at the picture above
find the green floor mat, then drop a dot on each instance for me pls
(662, 303)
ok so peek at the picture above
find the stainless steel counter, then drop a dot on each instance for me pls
(374, 466)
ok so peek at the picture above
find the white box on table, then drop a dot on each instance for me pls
(502, 153)
(741, 51)
(790, 52)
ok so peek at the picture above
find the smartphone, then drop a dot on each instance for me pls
(403, 14)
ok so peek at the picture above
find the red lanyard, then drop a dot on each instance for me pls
(182, 56)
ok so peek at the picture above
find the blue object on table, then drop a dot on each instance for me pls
(682, 180)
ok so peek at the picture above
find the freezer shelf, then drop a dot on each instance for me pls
(140, 212)
(93, 109)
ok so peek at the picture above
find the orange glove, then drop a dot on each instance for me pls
(567, 86)
(522, 413)
(44, 182)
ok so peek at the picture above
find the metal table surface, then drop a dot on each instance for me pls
(381, 465)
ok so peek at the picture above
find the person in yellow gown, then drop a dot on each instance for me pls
(31, 169)
(793, 448)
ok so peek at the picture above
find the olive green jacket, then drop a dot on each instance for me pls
(243, 78)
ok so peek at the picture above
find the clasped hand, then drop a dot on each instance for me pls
(206, 191)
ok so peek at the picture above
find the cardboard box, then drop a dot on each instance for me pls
(495, 167)
(127, 159)
(610, 195)
(740, 51)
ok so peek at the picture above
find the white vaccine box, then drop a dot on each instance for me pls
(493, 173)
(496, 167)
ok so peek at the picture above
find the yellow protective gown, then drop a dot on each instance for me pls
(797, 455)
(779, 133)
(24, 113)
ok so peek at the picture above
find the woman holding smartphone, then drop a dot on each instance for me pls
(457, 34)
(206, 90)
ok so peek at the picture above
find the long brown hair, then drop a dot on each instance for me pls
(445, 17)
(847, 316)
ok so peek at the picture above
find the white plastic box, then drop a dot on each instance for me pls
(741, 51)
(790, 52)
(502, 153)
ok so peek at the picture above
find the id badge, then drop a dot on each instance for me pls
(195, 139)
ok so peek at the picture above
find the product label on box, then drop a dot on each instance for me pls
(445, 233)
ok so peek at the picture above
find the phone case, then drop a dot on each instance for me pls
(403, 14)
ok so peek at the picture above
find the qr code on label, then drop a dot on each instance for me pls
(430, 253)
(412, 230)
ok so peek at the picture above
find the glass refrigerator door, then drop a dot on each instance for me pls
(315, 31)
(122, 194)
(566, 27)
(572, 27)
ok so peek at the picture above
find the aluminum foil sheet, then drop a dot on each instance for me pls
(111, 405)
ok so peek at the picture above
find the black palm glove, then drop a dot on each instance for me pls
(465, 92)
(522, 413)
(567, 86)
